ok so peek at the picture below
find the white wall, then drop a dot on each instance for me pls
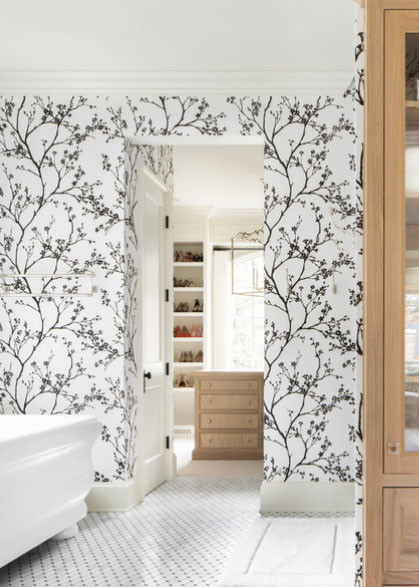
(186, 34)
(110, 35)
(221, 176)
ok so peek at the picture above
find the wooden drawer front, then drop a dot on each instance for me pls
(230, 384)
(228, 421)
(232, 401)
(229, 440)
(401, 529)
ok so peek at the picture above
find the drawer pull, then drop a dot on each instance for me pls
(210, 401)
(248, 402)
(209, 440)
(209, 420)
(249, 421)
(248, 440)
(248, 385)
(209, 385)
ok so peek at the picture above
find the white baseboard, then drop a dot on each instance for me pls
(306, 497)
(113, 497)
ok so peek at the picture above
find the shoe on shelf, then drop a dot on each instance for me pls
(199, 332)
(188, 257)
(185, 332)
(182, 307)
(177, 332)
(183, 357)
(189, 358)
(199, 357)
(182, 380)
(193, 333)
(198, 306)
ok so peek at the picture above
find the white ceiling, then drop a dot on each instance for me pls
(221, 177)
(176, 36)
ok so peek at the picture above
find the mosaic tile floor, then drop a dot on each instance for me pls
(181, 536)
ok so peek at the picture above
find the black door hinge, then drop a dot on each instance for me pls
(167, 441)
(167, 295)
(166, 222)
(167, 369)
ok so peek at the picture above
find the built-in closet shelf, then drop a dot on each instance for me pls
(187, 364)
(186, 289)
(188, 264)
(188, 339)
(188, 313)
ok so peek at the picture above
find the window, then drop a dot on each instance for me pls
(238, 319)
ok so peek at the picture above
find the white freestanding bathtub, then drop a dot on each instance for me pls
(46, 472)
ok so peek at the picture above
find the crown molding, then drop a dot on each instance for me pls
(177, 82)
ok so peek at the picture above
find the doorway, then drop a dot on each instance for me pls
(211, 331)
(218, 277)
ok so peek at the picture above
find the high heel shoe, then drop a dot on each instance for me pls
(183, 357)
(182, 307)
(177, 332)
(178, 381)
(199, 357)
(185, 332)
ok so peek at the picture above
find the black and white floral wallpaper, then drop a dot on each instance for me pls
(356, 292)
(67, 185)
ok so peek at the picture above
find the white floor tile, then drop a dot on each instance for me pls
(181, 536)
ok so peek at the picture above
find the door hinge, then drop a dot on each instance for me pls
(167, 295)
(166, 222)
(167, 369)
(167, 441)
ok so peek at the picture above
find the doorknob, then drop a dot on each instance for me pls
(146, 375)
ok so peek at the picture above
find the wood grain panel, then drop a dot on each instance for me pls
(232, 401)
(228, 440)
(400, 579)
(401, 530)
(228, 421)
(373, 294)
(229, 384)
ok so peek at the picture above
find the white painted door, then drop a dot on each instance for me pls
(154, 202)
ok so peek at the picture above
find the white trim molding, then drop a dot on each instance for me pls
(323, 496)
(113, 497)
(177, 82)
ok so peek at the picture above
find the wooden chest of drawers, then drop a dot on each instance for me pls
(228, 415)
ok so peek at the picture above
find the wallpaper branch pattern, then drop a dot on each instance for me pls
(357, 292)
(68, 200)
(302, 263)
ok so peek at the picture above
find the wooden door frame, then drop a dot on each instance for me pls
(374, 477)
(373, 293)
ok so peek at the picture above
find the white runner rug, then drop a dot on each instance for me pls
(294, 552)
